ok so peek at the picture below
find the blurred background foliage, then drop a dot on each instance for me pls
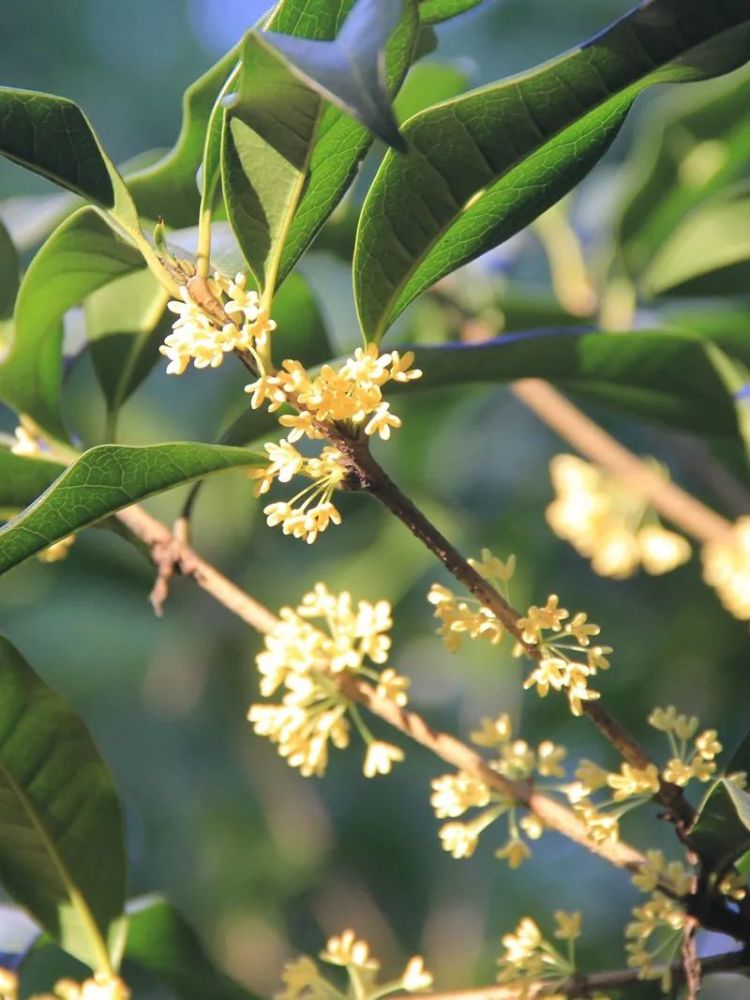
(263, 862)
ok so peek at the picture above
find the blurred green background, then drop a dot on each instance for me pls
(264, 862)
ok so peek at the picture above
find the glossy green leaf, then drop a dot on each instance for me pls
(433, 11)
(690, 147)
(62, 853)
(721, 833)
(707, 254)
(349, 70)
(23, 478)
(81, 255)
(483, 166)
(9, 274)
(337, 144)
(52, 136)
(126, 321)
(162, 941)
(104, 480)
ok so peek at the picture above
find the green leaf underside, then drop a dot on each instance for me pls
(104, 480)
(708, 253)
(9, 274)
(338, 143)
(168, 188)
(721, 833)
(688, 150)
(81, 255)
(126, 320)
(433, 11)
(486, 164)
(667, 378)
(62, 853)
(23, 478)
(349, 70)
(162, 941)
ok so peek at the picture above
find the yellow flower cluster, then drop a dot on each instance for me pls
(608, 522)
(57, 551)
(205, 337)
(627, 788)
(530, 963)
(100, 987)
(303, 979)
(726, 567)
(351, 394)
(309, 662)
(469, 618)
(654, 938)
(27, 439)
(688, 762)
(455, 794)
(656, 872)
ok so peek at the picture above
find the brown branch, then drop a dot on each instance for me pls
(676, 504)
(597, 982)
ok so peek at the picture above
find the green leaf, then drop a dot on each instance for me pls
(23, 478)
(52, 136)
(721, 833)
(9, 274)
(168, 188)
(162, 941)
(426, 84)
(281, 227)
(689, 148)
(62, 853)
(104, 480)
(349, 71)
(126, 320)
(708, 254)
(483, 166)
(81, 255)
(432, 11)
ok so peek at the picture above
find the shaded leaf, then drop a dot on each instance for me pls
(9, 274)
(721, 833)
(62, 853)
(105, 479)
(350, 70)
(23, 478)
(483, 166)
(81, 255)
(162, 941)
(432, 11)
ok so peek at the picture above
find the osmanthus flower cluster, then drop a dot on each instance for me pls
(726, 567)
(313, 648)
(232, 319)
(530, 964)
(565, 659)
(455, 794)
(608, 522)
(303, 979)
(100, 987)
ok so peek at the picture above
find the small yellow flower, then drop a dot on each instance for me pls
(493, 732)
(346, 949)
(415, 977)
(393, 687)
(662, 550)
(57, 551)
(568, 925)
(537, 620)
(459, 839)
(633, 781)
(532, 826)
(678, 772)
(549, 760)
(380, 758)
(515, 852)
(708, 745)
(591, 776)
(491, 568)
(298, 976)
(453, 794)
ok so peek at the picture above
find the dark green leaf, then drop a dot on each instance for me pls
(483, 166)
(81, 255)
(707, 254)
(721, 833)
(338, 143)
(9, 274)
(51, 136)
(126, 320)
(350, 70)
(104, 480)
(689, 149)
(62, 854)
(168, 188)
(432, 11)
(162, 941)
(23, 478)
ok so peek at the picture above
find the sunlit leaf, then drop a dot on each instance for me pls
(432, 11)
(62, 853)
(483, 166)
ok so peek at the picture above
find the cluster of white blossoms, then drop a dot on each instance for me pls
(608, 522)
(311, 653)
(202, 337)
(303, 979)
(726, 567)
(516, 760)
